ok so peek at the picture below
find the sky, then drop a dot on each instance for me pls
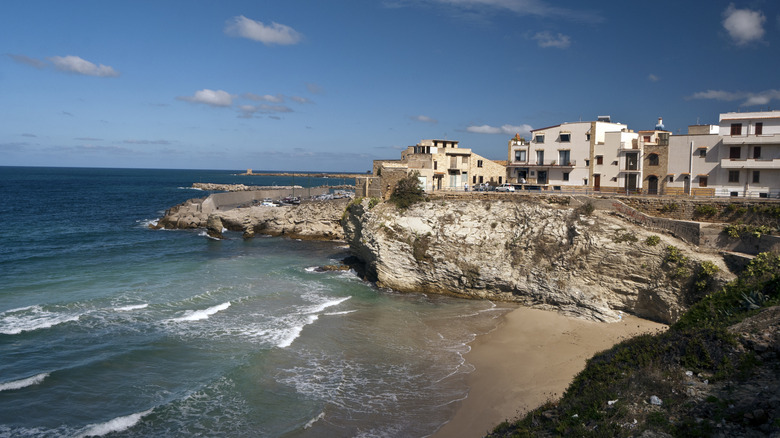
(324, 85)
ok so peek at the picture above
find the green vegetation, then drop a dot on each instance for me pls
(670, 207)
(739, 231)
(610, 397)
(624, 237)
(407, 191)
(652, 240)
(373, 202)
(705, 210)
(585, 209)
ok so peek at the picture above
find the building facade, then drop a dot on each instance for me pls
(442, 165)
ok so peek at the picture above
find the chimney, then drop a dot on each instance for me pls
(660, 125)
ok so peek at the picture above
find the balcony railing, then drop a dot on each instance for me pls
(750, 163)
(546, 163)
(751, 139)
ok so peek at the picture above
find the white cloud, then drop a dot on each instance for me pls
(743, 25)
(424, 119)
(300, 99)
(653, 78)
(274, 33)
(538, 8)
(75, 64)
(210, 97)
(265, 98)
(547, 39)
(503, 129)
(748, 98)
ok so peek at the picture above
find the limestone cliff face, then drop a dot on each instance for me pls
(538, 254)
(310, 220)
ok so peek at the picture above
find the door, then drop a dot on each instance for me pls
(631, 183)
(652, 185)
(542, 177)
(687, 185)
(596, 182)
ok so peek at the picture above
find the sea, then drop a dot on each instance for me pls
(110, 328)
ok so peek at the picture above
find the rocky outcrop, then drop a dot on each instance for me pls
(309, 220)
(594, 266)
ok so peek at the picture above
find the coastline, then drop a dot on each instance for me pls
(531, 356)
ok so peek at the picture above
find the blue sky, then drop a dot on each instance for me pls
(332, 85)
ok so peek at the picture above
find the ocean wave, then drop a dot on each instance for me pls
(191, 188)
(146, 223)
(131, 307)
(314, 420)
(22, 383)
(118, 424)
(345, 312)
(293, 333)
(26, 319)
(196, 315)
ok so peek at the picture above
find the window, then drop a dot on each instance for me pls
(587, 137)
(646, 139)
(474, 179)
(539, 138)
(756, 176)
(479, 163)
(435, 165)
(733, 176)
(702, 181)
(671, 178)
(652, 159)
(599, 159)
(734, 152)
(756, 152)
(540, 157)
(520, 156)
(702, 153)
(481, 179)
(565, 176)
(759, 128)
(663, 139)
(736, 129)
(565, 138)
(563, 158)
(464, 160)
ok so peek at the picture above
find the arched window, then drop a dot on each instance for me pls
(652, 159)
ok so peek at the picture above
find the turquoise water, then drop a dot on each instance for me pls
(108, 327)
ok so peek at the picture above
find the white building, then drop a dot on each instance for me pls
(750, 154)
(693, 162)
(561, 155)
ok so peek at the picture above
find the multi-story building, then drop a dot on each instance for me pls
(442, 165)
(569, 154)
(692, 163)
(750, 154)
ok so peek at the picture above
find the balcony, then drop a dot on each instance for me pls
(552, 163)
(629, 146)
(751, 139)
(750, 163)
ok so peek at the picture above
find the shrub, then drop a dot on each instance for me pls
(652, 240)
(585, 209)
(705, 210)
(407, 191)
(741, 230)
(372, 202)
(670, 207)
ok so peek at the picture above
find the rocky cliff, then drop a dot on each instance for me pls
(309, 220)
(590, 264)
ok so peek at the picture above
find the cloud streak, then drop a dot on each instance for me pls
(748, 98)
(68, 64)
(547, 39)
(503, 129)
(216, 98)
(273, 34)
(743, 25)
(424, 119)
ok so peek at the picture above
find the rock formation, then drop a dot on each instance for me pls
(309, 220)
(537, 254)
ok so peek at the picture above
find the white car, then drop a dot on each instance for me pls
(506, 187)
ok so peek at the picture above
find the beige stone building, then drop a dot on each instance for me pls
(442, 165)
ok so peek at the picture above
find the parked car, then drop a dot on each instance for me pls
(505, 187)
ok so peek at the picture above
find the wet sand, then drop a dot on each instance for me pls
(531, 357)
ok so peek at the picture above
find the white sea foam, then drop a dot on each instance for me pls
(191, 188)
(21, 383)
(118, 424)
(314, 420)
(294, 332)
(345, 312)
(146, 223)
(311, 269)
(322, 306)
(131, 307)
(13, 322)
(196, 315)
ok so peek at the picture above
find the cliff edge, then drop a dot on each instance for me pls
(586, 263)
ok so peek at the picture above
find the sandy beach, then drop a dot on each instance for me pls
(532, 356)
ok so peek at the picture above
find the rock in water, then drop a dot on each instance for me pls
(214, 227)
